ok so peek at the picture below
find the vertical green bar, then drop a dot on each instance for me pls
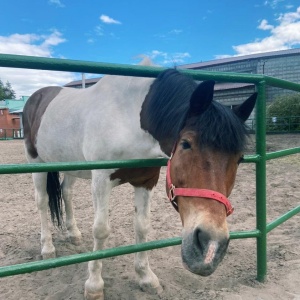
(261, 194)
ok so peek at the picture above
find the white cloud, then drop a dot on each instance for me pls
(30, 44)
(23, 81)
(155, 53)
(176, 31)
(265, 26)
(169, 34)
(58, 3)
(164, 58)
(290, 17)
(90, 40)
(108, 20)
(272, 3)
(289, 6)
(284, 35)
(99, 30)
(221, 56)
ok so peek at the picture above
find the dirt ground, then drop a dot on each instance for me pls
(233, 280)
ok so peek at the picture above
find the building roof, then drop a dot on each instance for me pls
(240, 58)
(13, 105)
(79, 82)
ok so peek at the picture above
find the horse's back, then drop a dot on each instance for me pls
(98, 123)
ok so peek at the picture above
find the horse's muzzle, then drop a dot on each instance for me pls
(200, 253)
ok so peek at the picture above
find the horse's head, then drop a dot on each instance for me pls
(201, 175)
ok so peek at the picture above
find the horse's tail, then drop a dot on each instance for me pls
(55, 198)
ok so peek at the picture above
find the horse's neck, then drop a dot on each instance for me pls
(159, 114)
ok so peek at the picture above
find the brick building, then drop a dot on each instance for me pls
(11, 118)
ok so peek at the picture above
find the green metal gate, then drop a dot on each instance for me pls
(260, 158)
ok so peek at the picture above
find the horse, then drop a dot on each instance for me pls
(124, 117)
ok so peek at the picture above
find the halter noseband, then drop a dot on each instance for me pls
(192, 192)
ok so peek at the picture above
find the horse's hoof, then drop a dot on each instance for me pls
(150, 289)
(93, 296)
(49, 255)
(75, 240)
(48, 252)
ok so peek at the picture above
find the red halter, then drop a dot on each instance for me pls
(191, 192)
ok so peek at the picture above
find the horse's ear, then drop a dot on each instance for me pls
(201, 97)
(244, 110)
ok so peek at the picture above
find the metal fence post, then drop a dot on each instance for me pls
(261, 193)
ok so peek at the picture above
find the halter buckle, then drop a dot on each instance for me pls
(171, 192)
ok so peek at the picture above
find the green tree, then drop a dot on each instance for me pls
(6, 91)
(284, 113)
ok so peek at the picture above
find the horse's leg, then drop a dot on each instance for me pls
(41, 198)
(101, 188)
(148, 281)
(72, 230)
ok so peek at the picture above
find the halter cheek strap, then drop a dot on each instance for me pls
(173, 192)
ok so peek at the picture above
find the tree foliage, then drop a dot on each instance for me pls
(6, 91)
(284, 113)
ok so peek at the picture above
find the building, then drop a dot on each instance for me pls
(78, 84)
(11, 118)
(283, 64)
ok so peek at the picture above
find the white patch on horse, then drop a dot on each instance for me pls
(113, 103)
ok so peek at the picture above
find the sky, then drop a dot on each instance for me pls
(171, 33)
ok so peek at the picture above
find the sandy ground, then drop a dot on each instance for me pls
(234, 279)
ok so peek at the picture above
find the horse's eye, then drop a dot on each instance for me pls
(240, 159)
(185, 145)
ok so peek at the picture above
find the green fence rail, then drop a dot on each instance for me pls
(260, 158)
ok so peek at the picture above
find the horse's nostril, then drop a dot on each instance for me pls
(201, 239)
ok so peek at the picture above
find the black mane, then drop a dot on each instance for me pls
(220, 129)
(164, 114)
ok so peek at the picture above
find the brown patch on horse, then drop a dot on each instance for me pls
(33, 112)
(204, 169)
(138, 177)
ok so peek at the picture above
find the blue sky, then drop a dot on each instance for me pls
(170, 32)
